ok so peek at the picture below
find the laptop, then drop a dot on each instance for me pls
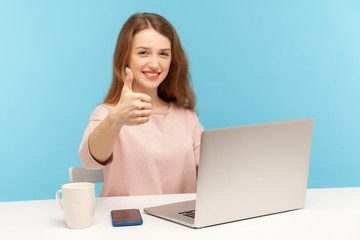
(246, 172)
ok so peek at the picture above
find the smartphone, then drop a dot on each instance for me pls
(126, 217)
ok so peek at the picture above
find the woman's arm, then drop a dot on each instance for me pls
(102, 139)
(132, 109)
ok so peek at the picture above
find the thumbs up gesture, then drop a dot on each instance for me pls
(132, 108)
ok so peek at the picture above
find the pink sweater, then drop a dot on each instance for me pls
(158, 157)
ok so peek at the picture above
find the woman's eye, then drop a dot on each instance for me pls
(164, 54)
(142, 53)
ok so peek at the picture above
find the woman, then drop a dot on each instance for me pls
(146, 134)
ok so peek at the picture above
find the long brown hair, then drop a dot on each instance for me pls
(177, 85)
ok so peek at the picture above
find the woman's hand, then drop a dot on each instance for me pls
(132, 108)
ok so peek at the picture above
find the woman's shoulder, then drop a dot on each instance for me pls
(101, 111)
(187, 116)
(189, 113)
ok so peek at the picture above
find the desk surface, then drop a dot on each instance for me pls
(328, 214)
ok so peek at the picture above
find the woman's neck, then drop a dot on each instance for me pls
(157, 104)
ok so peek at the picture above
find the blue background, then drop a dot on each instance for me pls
(251, 62)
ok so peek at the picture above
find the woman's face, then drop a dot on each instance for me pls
(149, 60)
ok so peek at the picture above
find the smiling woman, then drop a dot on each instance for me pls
(177, 87)
(146, 134)
(149, 59)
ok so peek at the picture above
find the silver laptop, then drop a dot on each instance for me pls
(246, 172)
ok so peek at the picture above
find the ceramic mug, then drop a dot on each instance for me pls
(78, 203)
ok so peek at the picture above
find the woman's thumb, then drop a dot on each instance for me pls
(129, 80)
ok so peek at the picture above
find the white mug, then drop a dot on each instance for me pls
(78, 203)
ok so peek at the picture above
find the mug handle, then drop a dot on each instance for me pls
(58, 199)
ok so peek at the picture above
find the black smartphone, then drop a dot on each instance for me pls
(126, 217)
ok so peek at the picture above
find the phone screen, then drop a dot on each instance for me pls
(126, 217)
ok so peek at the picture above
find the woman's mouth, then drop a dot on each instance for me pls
(151, 75)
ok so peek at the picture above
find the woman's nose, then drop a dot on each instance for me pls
(154, 63)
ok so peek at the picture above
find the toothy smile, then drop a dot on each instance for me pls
(152, 74)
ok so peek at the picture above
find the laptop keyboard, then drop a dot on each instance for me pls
(190, 213)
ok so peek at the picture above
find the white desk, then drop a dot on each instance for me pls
(328, 214)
